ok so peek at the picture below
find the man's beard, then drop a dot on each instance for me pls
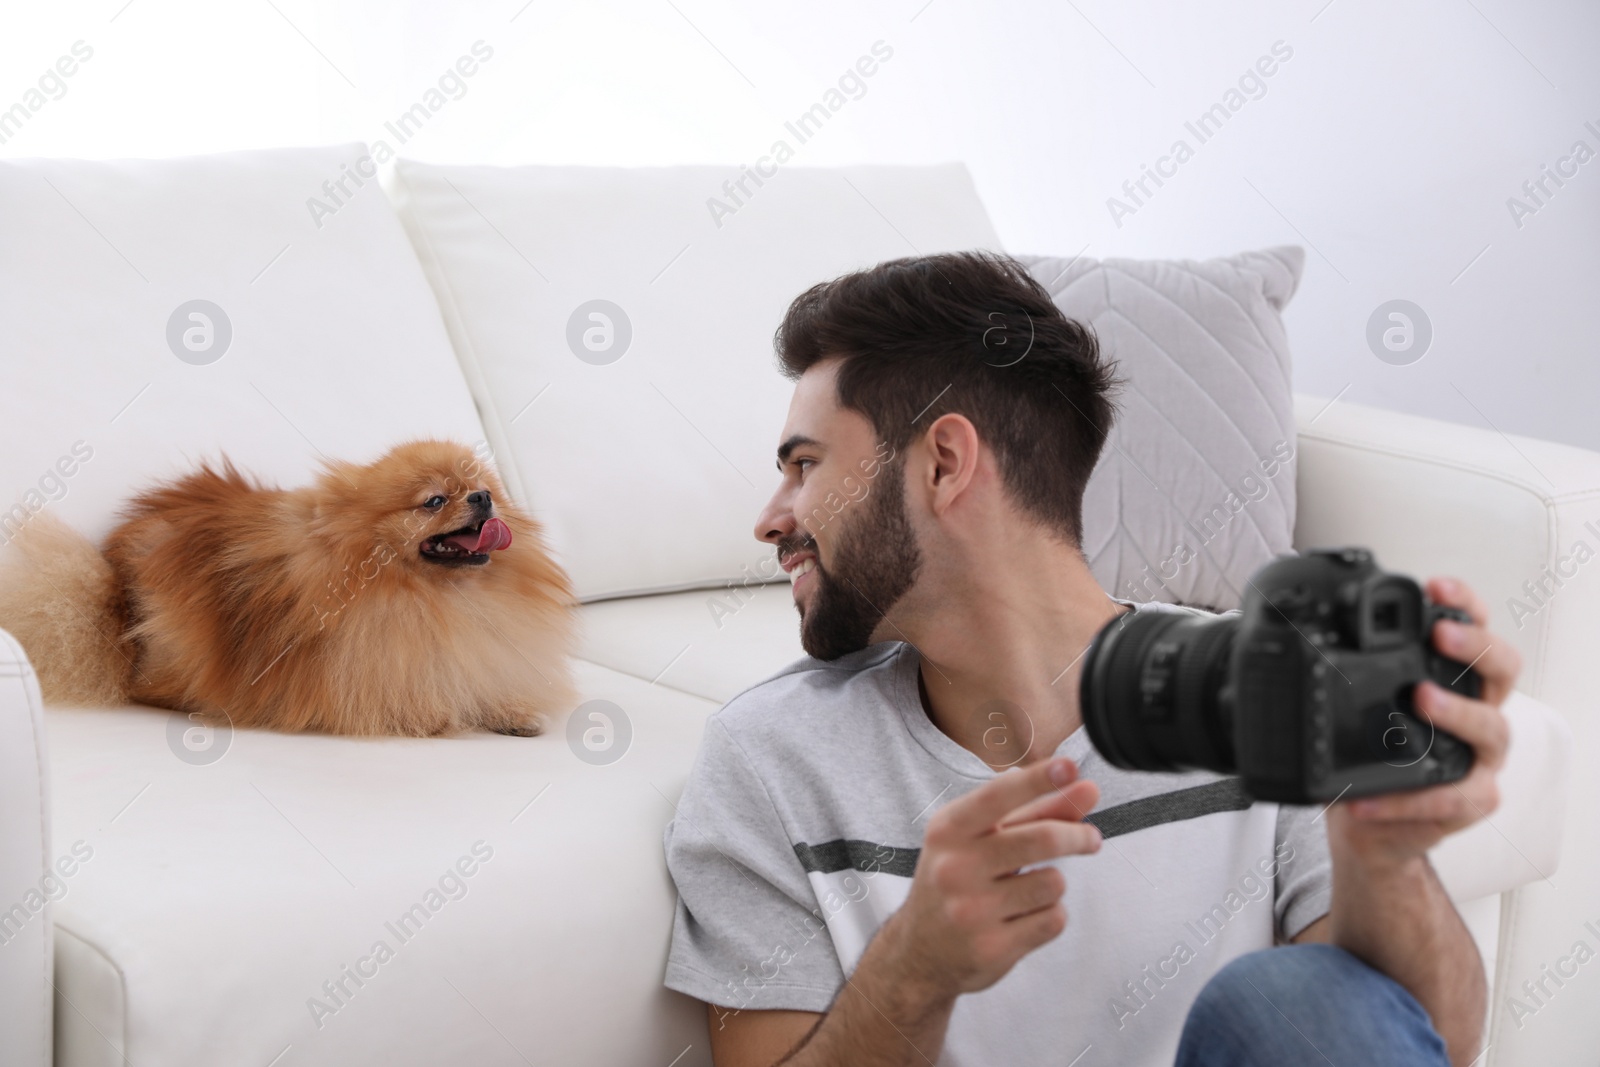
(876, 561)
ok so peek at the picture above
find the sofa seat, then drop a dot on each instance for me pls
(218, 899)
(709, 642)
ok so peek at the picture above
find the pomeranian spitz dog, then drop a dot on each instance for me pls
(408, 596)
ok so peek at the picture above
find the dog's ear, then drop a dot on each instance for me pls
(331, 497)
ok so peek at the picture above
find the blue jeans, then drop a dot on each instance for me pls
(1307, 1004)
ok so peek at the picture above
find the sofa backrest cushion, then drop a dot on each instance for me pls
(616, 328)
(318, 335)
(1196, 487)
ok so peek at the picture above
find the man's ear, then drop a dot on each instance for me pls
(950, 460)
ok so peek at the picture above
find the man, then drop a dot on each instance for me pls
(877, 849)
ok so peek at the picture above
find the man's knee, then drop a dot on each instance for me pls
(1309, 977)
(1304, 997)
(1298, 971)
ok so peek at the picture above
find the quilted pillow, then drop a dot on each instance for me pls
(1195, 489)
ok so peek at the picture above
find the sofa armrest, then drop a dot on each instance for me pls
(26, 957)
(1441, 498)
(1520, 842)
(1519, 520)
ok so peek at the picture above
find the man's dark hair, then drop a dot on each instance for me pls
(971, 333)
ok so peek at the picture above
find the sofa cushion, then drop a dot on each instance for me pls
(1196, 488)
(521, 892)
(644, 437)
(328, 341)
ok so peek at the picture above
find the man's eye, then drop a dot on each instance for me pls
(433, 503)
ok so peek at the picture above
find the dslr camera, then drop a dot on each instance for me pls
(1305, 694)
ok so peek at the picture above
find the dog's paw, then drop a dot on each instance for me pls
(520, 729)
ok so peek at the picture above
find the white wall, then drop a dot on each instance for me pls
(1388, 143)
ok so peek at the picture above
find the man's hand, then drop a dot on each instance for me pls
(1403, 826)
(970, 915)
(1388, 906)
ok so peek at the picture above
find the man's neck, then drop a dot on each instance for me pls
(1002, 648)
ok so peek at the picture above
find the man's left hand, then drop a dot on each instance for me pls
(1402, 826)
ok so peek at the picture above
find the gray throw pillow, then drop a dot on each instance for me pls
(1196, 487)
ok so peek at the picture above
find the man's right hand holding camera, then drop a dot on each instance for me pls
(971, 914)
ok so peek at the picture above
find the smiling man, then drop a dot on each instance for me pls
(877, 847)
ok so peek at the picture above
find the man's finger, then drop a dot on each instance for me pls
(1439, 804)
(1023, 894)
(1455, 593)
(978, 811)
(1030, 931)
(1073, 802)
(1478, 724)
(1495, 660)
(1015, 847)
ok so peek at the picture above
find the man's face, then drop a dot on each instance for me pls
(838, 520)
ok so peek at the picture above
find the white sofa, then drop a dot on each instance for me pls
(211, 905)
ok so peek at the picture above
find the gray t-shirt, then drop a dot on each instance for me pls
(800, 826)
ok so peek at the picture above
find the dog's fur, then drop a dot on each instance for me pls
(310, 609)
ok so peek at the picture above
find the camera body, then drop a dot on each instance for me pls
(1306, 694)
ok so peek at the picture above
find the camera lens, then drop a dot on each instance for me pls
(1154, 694)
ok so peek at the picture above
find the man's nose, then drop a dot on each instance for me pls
(775, 521)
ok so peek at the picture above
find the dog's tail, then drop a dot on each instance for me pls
(62, 601)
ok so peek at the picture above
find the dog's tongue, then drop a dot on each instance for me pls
(494, 536)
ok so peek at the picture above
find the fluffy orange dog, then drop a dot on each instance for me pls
(403, 597)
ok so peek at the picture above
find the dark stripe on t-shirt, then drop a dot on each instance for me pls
(868, 856)
(1208, 799)
(865, 856)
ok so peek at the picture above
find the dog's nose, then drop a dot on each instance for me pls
(480, 499)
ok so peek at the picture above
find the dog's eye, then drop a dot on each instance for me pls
(433, 503)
